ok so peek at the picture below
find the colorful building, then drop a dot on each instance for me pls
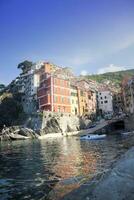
(74, 100)
(92, 101)
(60, 91)
(82, 101)
(86, 98)
(54, 91)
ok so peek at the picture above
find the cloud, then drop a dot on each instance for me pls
(84, 73)
(112, 68)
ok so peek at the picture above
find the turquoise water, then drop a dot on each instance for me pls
(48, 169)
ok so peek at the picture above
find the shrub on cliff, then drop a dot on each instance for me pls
(10, 110)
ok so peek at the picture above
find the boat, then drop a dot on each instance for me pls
(126, 133)
(18, 137)
(93, 137)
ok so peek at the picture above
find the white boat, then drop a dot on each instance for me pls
(126, 133)
(92, 137)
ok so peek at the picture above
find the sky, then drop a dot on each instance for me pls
(90, 36)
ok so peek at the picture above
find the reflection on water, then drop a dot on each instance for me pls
(50, 168)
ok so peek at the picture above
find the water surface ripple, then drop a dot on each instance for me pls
(48, 169)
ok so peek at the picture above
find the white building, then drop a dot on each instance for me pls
(105, 101)
(28, 83)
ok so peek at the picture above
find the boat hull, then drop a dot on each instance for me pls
(93, 137)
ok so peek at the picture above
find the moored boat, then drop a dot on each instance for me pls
(18, 137)
(92, 137)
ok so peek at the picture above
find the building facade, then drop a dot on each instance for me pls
(27, 85)
(54, 90)
(86, 98)
(105, 101)
(118, 105)
(128, 95)
(74, 100)
(48, 87)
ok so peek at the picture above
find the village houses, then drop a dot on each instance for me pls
(45, 86)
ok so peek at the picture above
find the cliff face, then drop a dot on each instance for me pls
(56, 123)
(40, 124)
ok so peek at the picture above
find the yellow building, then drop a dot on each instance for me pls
(74, 100)
(83, 101)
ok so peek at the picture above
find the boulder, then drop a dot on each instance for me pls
(17, 133)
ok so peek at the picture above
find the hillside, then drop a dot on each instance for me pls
(112, 77)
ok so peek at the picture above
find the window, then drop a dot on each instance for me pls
(62, 99)
(62, 82)
(89, 97)
(101, 102)
(64, 109)
(58, 108)
(81, 93)
(105, 101)
(101, 97)
(100, 93)
(55, 99)
(72, 101)
(105, 97)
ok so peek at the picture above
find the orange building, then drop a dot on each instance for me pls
(59, 91)
(54, 92)
(86, 98)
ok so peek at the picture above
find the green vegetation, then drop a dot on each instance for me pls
(10, 109)
(26, 64)
(115, 77)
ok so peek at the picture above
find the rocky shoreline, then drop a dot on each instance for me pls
(47, 125)
(17, 133)
(23, 133)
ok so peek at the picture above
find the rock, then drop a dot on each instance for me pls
(119, 183)
(17, 133)
(52, 126)
(59, 123)
(50, 122)
(85, 123)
